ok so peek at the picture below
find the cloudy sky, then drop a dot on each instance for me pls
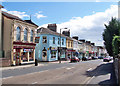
(84, 19)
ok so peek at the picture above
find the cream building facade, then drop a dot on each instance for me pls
(18, 39)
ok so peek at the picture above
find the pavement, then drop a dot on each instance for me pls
(31, 65)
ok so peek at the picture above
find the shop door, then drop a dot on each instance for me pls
(44, 55)
(17, 56)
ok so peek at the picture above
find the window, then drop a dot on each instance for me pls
(68, 44)
(62, 41)
(18, 33)
(53, 40)
(58, 40)
(53, 54)
(25, 34)
(31, 37)
(37, 39)
(44, 39)
(71, 44)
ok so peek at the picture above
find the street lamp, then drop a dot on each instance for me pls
(60, 45)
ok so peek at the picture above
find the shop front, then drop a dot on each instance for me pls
(23, 53)
(70, 53)
(63, 53)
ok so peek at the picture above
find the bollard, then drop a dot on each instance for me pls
(36, 62)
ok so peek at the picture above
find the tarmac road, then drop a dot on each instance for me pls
(83, 72)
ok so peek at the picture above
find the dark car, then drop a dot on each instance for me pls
(84, 58)
(74, 59)
(100, 57)
(94, 57)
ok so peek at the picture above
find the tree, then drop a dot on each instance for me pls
(116, 45)
(111, 30)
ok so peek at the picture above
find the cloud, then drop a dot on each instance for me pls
(90, 27)
(16, 13)
(39, 15)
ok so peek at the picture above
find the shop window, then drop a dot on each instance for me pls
(62, 41)
(53, 54)
(18, 33)
(58, 40)
(31, 37)
(44, 39)
(25, 34)
(53, 40)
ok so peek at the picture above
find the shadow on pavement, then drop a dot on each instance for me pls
(104, 69)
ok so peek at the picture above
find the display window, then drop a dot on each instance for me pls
(53, 54)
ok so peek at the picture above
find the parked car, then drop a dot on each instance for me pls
(84, 58)
(100, 57)
(106, 59)
(89, 58)
(74, 59)
(94, 57)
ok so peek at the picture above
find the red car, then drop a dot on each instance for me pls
(74, 59)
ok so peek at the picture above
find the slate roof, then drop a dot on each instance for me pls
(30, 21)
(1, 6)
(43, 30)
(8, 15)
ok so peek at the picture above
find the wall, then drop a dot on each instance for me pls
(7, 37)
(70, 41)
(0, 33)
(40, 46)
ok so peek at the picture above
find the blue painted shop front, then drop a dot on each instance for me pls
(47, 47)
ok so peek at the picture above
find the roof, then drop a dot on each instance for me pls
(1, 6)
(30, 21)
(17, 18)
(11, 16)
(43, 30)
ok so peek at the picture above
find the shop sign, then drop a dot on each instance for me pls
(53, 48)
(27, 50)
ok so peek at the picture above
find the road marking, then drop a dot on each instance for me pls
(69, 68)
(34, 82)
(90, 80)
(7, 77)
(87, 81)
(60, 67)
(89, 69)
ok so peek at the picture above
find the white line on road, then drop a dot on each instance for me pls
(89, 69)
(69, 68)
(7, 77)
(90, 80)
(34, 82)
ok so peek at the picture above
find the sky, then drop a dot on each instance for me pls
(84, 19)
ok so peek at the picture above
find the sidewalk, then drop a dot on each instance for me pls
(31, 65)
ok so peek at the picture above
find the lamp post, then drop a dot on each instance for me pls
(60, 45)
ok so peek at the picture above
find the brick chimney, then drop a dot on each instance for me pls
(52, 27)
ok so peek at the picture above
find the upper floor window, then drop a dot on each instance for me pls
(68, 44)
(58, 40)
(53, 40)
(25, 34)
(31, 36)
(18, 33)
(62, 41)
(71, 44)
(44, 39)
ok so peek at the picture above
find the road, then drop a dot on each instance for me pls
(83, 72)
